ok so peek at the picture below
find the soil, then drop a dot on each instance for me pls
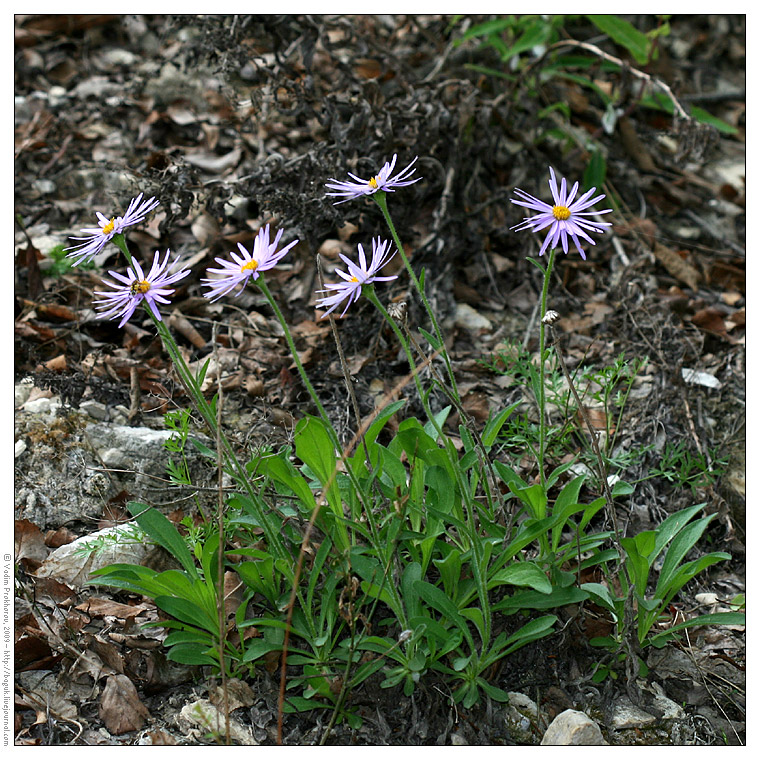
(236, 121)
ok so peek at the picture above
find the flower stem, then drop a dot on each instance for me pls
(381, 200)
(203, 408)
(542, 369)
(294, 353)
(121, 244)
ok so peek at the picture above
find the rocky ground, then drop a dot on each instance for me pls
(235, 121)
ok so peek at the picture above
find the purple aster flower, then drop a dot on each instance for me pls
(357, 276)
(246, 265)
(97, 237)
(136, 287)
(381, 181)
(565, 216)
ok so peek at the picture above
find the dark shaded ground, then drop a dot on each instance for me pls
(236, 121)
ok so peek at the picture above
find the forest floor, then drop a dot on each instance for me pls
(234, 122)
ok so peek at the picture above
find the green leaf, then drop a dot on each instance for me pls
(678, 549)
(532, 631)
(596, 171)
(164, 534)
(601, 595)
(201, 376)
(623, 33)
(493, 26)
(535, 600)
(536, 34)
(258, 648)
(534, 498)
(497, 694)
(522, 574)
(440, 602)
(660, 102)
(686, 572)
(187, 612)
(302, 704)
(450, 568)
(621, 488)
(191, 654)
(283, 472)
(412, 573)
(707, 118)
(435, 344)
(671, 525)
(475, 615)
(495, 424)
(374, 429)
(716, 618)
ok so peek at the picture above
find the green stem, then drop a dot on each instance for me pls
(475, 544)
(203, 408)
(294, 353)
(542, 369)
(381, 200)
(121, 244)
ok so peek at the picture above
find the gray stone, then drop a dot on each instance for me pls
(521, 716)
(627, 715)
(21, 392)
(670, 710)
(573, 728)
(95, 409)
(137, 448)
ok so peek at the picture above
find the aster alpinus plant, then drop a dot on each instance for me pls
(377, 188)
(413, 525)
(357, 277)
(137, 287)
(97, 238)
(567, 218)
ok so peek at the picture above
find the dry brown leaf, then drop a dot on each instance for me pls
(678, 267)
(158, 738)
(30, 543)
(57, 538)
(97, 607)
(712, 321)
(179, 322)
(58, 592)
(239, 694)
(254, 386)
(476, 405)
(634, 146)
(120, 707)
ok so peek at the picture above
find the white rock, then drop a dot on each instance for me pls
(21, 392)
(573, 727)
(467, 318)
(42, 406)
(208, 718)
(67, 565)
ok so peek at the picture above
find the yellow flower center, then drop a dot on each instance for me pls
(561, 213)
(354, 279)
(108, 228)
(373, 183)
(139, 286)
(251, 265)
